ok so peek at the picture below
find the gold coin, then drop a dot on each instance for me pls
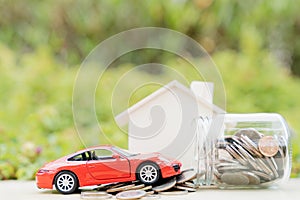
(268, 146)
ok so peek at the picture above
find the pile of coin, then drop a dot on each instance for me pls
(181, 184)
(249, 157)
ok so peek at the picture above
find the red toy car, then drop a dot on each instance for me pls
(104, 164)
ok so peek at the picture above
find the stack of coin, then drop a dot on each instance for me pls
(181, 184)
(250, 158)
(129, 190)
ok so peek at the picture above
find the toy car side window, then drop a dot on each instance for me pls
(79, 157)
(102, 154)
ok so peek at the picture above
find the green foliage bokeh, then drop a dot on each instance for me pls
(42, 43)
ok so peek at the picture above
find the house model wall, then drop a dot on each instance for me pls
(166, 120)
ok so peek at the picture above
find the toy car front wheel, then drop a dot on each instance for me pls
(148, 173)
(66, 182)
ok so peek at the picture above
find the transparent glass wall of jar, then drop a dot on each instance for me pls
(250, 151)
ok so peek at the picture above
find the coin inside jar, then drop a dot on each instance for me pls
(251, 133)
(235, 178)
(268, 146)
(253, 179)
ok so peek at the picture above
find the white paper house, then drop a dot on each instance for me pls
(165, 121)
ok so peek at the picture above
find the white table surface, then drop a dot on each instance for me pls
(27, 190)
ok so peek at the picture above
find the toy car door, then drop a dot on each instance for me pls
(104, 164)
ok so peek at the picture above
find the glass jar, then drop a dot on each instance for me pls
(242, 151)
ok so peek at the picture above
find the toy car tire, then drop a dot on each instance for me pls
(148, 173)
(66, 182)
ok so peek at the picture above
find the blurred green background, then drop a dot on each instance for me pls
(255, 44)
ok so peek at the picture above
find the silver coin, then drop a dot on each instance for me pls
(237, 140)
(223, 154)
(221, 144)
(188, 184)
(131, 194)
(217, 174)
(118, 189)
(239, 153)
(283, 145)
(272, 167)
(178, 192)
(262, 175)
(166, 186)
(228, 139)
(234, 178)
(235, 155)
(274, 163)
(91, 193)
(244, 152)
(151, 196)
(117, 185)
(250, 159)
(208, 187)
(279, 159)
(137, 187)
(251, 133)
(281, 173)
(264, 167)
(149, 193)
(146, 188)
(179, 187)
(250, 149)
(226, 164)
(233, 168)
(253, 179)
(250, 142)
(198, 176)
(268, 183)
(94, 195)
(251, 145)
(254, 165)
(223, 160)
(109, 185)
(108, 196)
(186, 175)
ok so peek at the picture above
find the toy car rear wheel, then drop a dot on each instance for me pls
(66, 182)
(148, 173)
